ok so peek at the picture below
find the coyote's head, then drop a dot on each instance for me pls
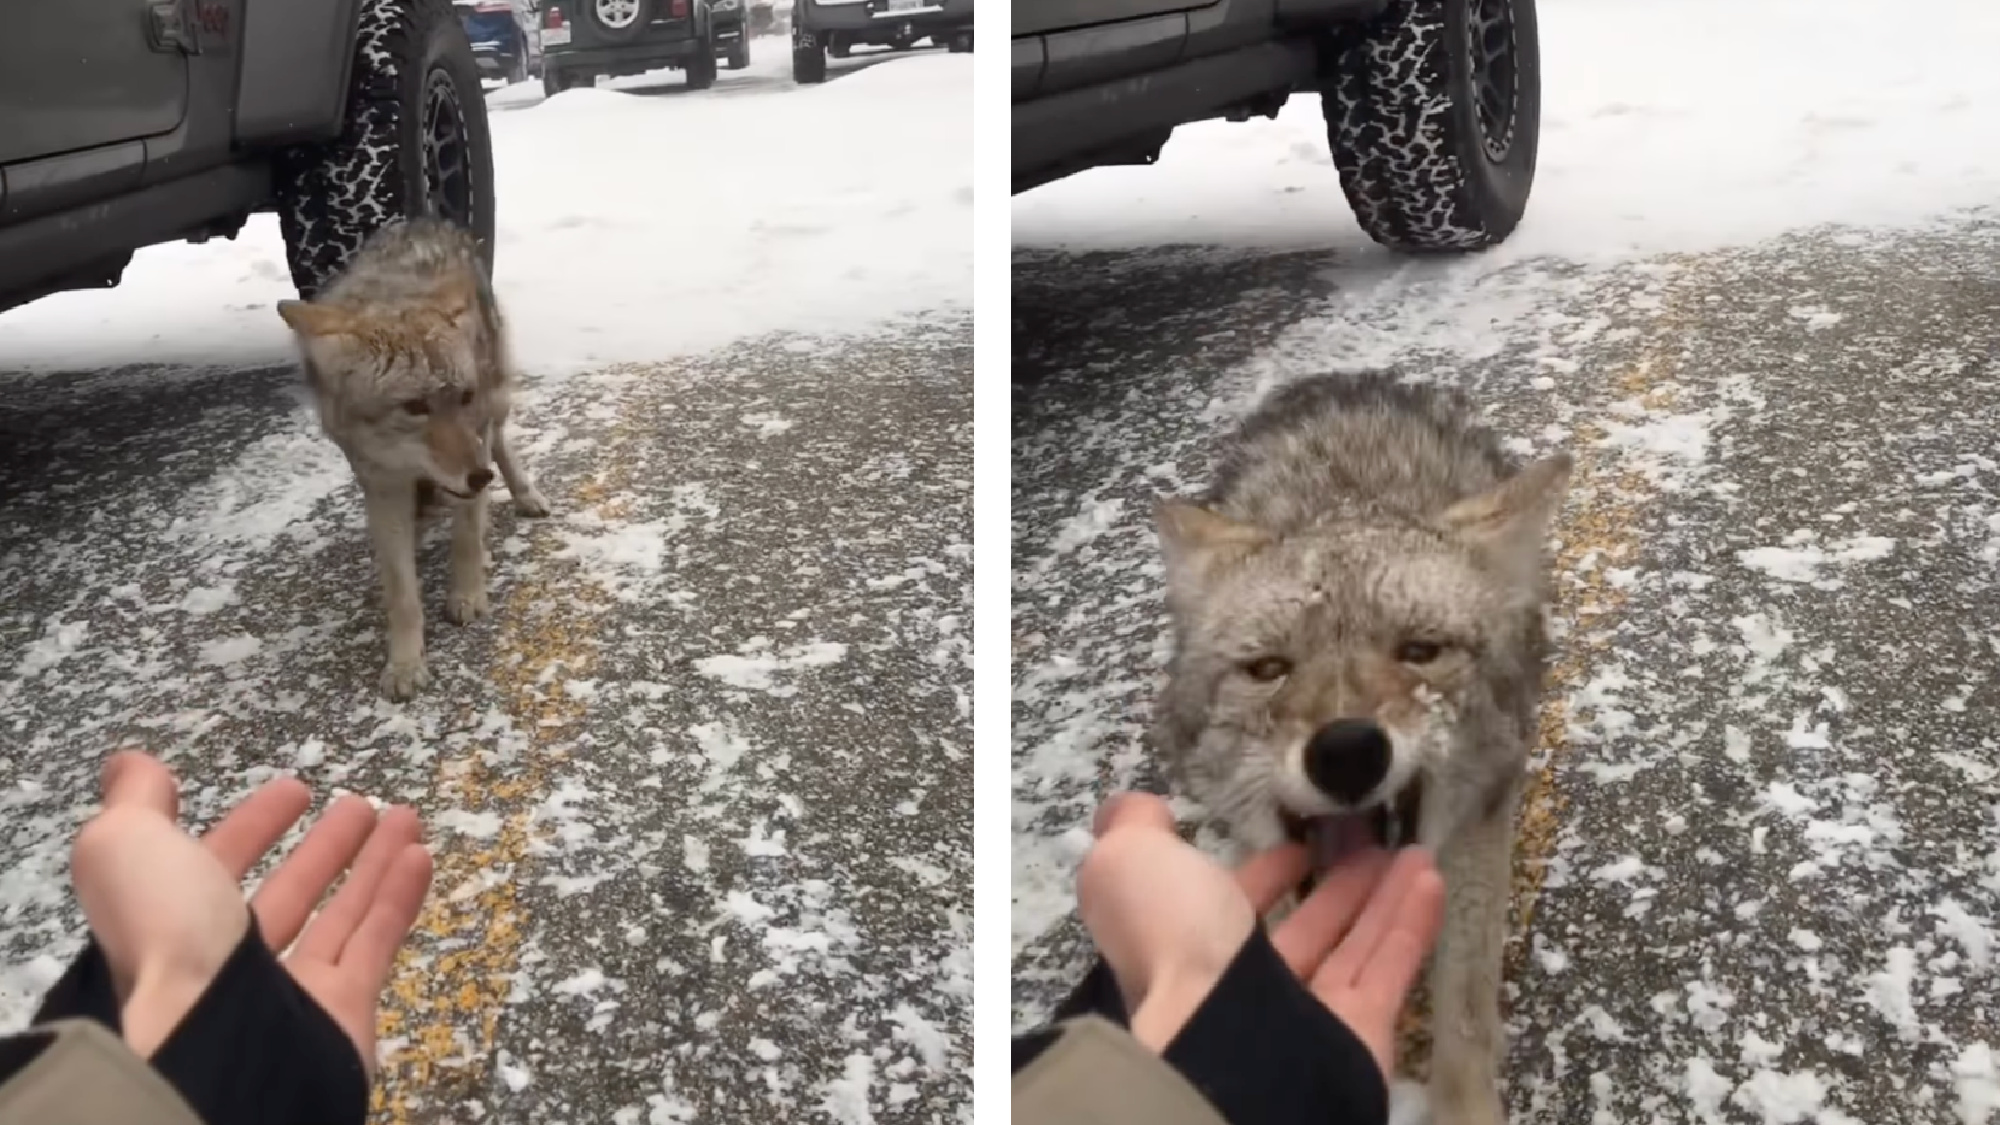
(400, 387)
(1329, 675)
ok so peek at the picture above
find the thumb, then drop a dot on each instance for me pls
(1132, 809)
(132, 780)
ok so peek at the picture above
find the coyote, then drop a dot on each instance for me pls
(407, 358)
(1358, 651)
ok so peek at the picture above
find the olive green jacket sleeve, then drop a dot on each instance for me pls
(1095, 1073)
(76, 1072)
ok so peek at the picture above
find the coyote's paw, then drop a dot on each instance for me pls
(531, 504)
(463, 607)
(403, 679)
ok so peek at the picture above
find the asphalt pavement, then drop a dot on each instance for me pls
(699, 789)
(1759, 867)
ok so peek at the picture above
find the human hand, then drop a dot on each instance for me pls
(1169, 920)
(168, 911)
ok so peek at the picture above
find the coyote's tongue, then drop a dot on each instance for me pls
(1329, 839)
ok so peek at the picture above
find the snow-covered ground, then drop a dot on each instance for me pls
(699, 789)
(1757, 292)
(636, 221)
(1667, 125)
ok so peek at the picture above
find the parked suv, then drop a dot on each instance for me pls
(1433, 107)
(823, 27)
(585, 39)
(123, 125)
(732, 33)
(505, 43)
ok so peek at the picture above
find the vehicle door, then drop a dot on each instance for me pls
(1039, 17)
(79, 74)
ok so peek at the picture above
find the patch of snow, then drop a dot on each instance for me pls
(758, 664)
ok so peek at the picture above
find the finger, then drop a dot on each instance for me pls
(328, 934)
(287, 898)
(371, 951)
(1313, 930)
(254, 826)
(1133, 810)
(1394, 933)
(1266, 876)
(131, 779)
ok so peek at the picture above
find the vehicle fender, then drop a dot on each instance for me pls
(292, 83)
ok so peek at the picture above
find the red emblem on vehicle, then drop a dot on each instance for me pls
(212, 18)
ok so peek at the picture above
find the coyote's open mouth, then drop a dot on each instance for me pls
(1330, 839)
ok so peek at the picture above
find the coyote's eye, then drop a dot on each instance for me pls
(1419, 652)
(417, 406)
(1267, 669)
(465, 399)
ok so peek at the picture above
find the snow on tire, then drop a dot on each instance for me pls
(1426, 163)
(332, 196)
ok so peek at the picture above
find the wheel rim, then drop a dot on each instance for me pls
(617, 13)
(1490, 43)
(447, 151)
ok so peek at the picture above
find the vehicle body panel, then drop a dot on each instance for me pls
(107, 83)
(504, 36)
(881, 21)
(292, 89)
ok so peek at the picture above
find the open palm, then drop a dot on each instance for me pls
(168, 911)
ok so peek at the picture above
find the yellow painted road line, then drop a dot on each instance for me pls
(444, 1004)
(1600, 524)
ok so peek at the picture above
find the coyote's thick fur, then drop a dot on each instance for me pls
(406, 354)
(1357, 608)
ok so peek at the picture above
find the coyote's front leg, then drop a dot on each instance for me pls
(392, 527)
(527, 499)
(465, 599)
(1467, 1038)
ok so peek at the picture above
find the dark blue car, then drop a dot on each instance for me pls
(504, 43)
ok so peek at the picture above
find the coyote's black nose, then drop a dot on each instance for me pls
(478, 479)
(1347, 759)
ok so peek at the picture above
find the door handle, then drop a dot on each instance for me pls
(170, 27)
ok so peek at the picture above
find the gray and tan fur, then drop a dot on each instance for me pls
(1368, 560)
(406, 355)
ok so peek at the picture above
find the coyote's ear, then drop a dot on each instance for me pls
(311, 321)
(1198, 543)
(1510, 523)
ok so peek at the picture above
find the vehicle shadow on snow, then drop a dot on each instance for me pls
(71, 442)
(1091, 328)
(671, 85)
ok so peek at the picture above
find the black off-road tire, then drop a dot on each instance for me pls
(960, 44)
(739, 53)
(1426, 168)
(839, 48)
(332, 196)
(808, 58)
(553, 82)
(700, 69)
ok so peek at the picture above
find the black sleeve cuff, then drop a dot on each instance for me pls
(84, 991)
(1096, 995)
(254, 1050)
(1264, 1051)
(257, 1050)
